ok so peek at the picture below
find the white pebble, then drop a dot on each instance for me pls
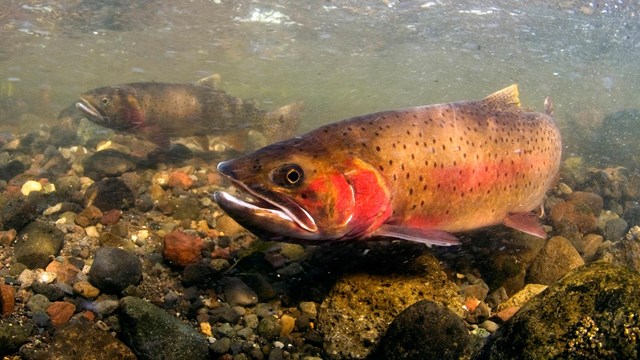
(91, 231)
(30, 186)
(278, 344)
(46, 277)
(52, 209)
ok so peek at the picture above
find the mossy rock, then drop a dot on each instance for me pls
(591, 313)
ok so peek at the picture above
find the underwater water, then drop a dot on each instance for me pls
(339, 59)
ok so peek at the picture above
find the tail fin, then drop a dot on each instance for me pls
(282, 123)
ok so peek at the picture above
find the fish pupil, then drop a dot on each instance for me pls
(105, 101)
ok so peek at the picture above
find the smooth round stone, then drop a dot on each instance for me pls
(114, 269)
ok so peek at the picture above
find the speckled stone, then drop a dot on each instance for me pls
(141, 321)
(361, 306)
(591, 313)
(81, 340)
(37, 243)
(13, 334)
(108, 163)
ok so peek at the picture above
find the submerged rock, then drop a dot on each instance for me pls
(424, 330)
(13, 334)
(37, 243)
(108, 163)
(155, 335)
(82, 340)
(114, 269)
(557, 257)
(111, 193)
(361, 306)
(592, 313)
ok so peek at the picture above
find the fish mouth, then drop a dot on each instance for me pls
(260, 208)
(88, 109)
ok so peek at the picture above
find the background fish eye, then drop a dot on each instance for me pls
(105, 101)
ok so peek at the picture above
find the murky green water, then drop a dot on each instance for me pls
(341, 58)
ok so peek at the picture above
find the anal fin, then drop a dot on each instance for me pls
(526, 222)
(425, 236)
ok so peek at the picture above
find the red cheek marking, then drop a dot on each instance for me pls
(331, 195)
(373, 206)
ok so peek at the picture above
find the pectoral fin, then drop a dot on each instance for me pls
(526, 222)
(425, 236)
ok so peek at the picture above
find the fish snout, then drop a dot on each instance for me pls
(225, 168)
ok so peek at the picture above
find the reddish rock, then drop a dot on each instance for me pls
(111, 217)
(592, 200)
(7, 299)
(60, 312)
(181, 180)
(65, 271)
(574, 216)
(182, 249)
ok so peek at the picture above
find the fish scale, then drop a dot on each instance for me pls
(436, 170)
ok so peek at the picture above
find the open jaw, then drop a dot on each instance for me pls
(267, 211)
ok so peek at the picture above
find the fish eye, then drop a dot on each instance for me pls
(105, 101)
(288, 175)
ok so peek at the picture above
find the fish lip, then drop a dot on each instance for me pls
(87, 108)
(282, 207)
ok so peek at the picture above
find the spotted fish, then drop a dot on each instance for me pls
(160, 111)
(419, 174)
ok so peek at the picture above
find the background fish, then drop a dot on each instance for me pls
(160, 111)
(419, 174)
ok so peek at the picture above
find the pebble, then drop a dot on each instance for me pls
(557, 257)
(114, 269)
(181, 248)
(179, 179)
(308, 308)
(110, 193)
(615, 229)
(64, 270)
(588, 245)
(221, 346)
(251, 321)
(287, 324)
(52, 292)
(489, 325)
(30, 186)
(91, 215)
(236, 292)
(108, 163)
(38, 302)
(269, 328)
(7, 299)
(140, 323)
(60, 312)
(37, 243)
(86, 290)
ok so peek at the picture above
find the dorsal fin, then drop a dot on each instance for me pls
(508, 97)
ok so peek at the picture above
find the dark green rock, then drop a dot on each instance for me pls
(424, 330)
(11, 169)
(591, 313)
(37, 244)
(12, 335)
(154, 334)
(114, 269)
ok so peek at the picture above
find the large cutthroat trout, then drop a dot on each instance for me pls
(160, 111)
(418, 174)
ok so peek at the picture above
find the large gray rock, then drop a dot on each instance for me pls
(155, 335)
